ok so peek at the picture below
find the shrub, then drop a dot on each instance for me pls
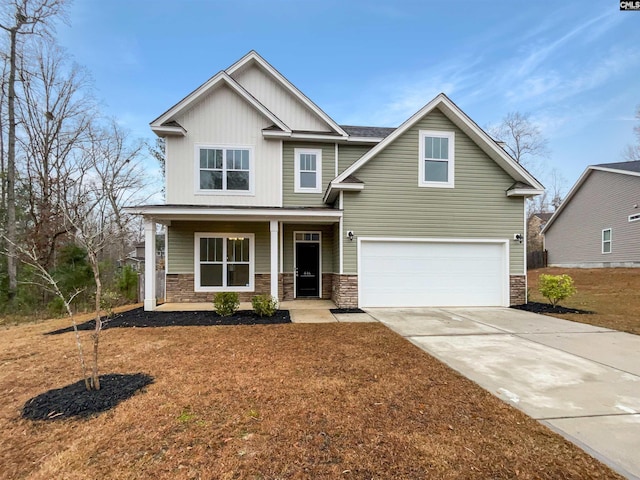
(108, 301)
(226, 303)
(264, 305)
(556, 287)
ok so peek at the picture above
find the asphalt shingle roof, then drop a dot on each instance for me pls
(373, 132)
(628, 166)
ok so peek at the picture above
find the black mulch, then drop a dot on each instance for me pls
(346, 310)
(75, 401)
(141, 319)
(536, 307)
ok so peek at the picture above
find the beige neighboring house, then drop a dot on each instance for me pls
(598, 224)
(267, 194)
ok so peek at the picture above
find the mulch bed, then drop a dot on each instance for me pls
(139, 318)
(346, 310)
(536, 307)
(75, 401)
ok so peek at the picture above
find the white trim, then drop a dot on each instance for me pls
(319, 242)
(504, 242)
(169, 131)
(280, 173)
(634, 217)
(335, 155)
(245, 193)
(614, 170)
(523, 192)
(318, 171)
(253, 55)
(196, 262)
(341, 227)
(149, 264)
(281, 234)
(273, 260)
(468, 126)
(203, 90)
(166, 259)
(320, 137)
(610, 241)
(451, 139)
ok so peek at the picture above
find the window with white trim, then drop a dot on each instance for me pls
(436, 162)
(606, 240)
(224, 262)
(635, 217)
(224, 169)
(308, 170)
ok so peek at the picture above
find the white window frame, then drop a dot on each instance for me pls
(224, 149)
(450, 161)
(225, 236)
(609, 242)
(296, 156)
(634, 218)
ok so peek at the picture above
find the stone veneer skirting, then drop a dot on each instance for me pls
(344, 291)
(180, 289)
(517, 289)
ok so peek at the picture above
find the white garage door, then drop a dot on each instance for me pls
(420, 274)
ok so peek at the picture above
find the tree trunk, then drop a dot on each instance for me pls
(11, 171)
(95, 379)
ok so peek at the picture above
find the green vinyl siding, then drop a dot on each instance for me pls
(393, 205)
(327, 245)
(348, 154)
(180, 245)
(291, 199)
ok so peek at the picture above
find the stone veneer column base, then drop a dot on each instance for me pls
(517, 289)
(344, 291)
(286, 286)
(180, 289)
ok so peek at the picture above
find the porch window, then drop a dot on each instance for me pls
(436, 160)
(308, 170)
(223, 169)
(224, 262)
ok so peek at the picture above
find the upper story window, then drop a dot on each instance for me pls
(308, 170)
(436, 162)
(606, 240)
(224, 169)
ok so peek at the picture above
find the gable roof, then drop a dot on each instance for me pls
(528, 185)
(166, 120)
(253, 56)
(622, 168)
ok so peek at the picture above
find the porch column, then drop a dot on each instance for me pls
(273, 227)
(149, 264)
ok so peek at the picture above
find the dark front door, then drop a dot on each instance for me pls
(307, 269)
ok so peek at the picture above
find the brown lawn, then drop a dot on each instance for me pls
(296, 401)
(612, 293)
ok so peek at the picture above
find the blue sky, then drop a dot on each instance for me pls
(574, 66)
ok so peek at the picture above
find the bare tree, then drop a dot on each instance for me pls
(20, 18)
(522, 138)
(55, 115)
(157, 151)
(632, 152)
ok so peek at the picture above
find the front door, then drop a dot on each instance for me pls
(307, 269)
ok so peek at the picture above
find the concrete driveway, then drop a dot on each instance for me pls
(581, 381)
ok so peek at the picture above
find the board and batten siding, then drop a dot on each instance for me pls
(180, 243)
(348, 154)
(223, 118)
(604, 200)
(292, 199)
(392, 204)
(326, 245)
(279, 100)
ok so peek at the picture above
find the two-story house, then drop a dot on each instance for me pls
(265, 193)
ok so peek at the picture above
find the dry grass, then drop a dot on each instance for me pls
(352, 401)
(612, 293)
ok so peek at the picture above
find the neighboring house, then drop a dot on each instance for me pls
(266, 194)
(598, 224)
(137, 257)
(536, 223)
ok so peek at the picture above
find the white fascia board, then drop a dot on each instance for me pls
(372, 140)
(614, 170)
(319, 137)
(333, 189)
(458, 117)
(205, 88)
(246, 213)
(253, 55)
(167, 131)
(524, 192)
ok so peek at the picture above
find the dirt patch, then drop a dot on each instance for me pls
(76, 401)
(139, 318)
(547, 308)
